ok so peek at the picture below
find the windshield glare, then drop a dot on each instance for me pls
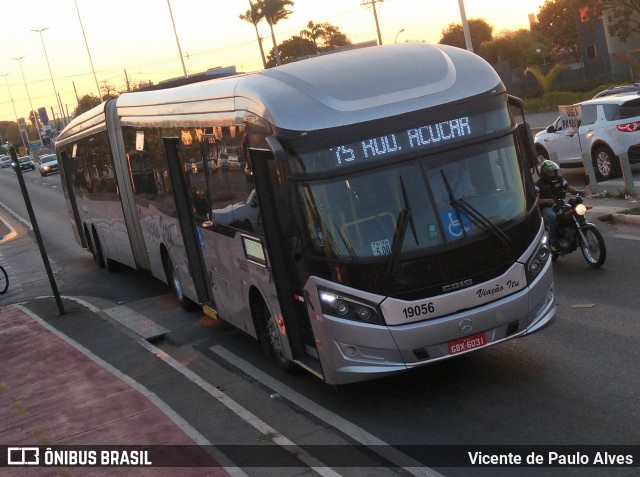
(356, 216)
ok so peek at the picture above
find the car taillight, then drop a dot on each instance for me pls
(630, 127)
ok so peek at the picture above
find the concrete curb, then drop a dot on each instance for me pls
(626, 219)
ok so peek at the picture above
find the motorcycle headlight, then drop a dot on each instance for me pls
(349, 308)
(581, 209)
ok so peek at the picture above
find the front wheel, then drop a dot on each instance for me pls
(605, 163)
(4, 281)
(594, 250)
(173, 280)
(271, 341)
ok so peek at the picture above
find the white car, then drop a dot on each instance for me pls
(610, 126)
(48, 164)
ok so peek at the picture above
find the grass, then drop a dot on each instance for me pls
(549, 101)
(634, 211)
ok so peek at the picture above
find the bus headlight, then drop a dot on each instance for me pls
(538, 260)
(349, 308)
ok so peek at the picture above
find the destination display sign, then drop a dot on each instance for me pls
(429, 135)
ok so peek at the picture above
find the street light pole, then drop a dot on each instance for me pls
(175, 32)
(397, 35)
(49, 66)
(88, 52)
(15, 112)
(465, 26)
(19, 60)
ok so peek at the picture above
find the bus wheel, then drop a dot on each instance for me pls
(90, 245)
(176, 287)
(271, 342)
(111, 265)
(97, 250)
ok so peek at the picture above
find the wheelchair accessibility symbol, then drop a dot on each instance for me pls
(456, 224)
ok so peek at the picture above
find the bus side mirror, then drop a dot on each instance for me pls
(524, 131)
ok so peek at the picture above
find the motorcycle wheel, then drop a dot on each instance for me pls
(594, 250)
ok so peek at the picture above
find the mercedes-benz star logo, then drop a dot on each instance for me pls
(465, 326)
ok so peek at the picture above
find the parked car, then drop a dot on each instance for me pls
(48, 164)
(26, 163)
(5, 161)
(193, 166)
(232, 157)
(621, 89)
(610, 126)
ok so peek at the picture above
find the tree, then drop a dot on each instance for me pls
(325, 36)
(623, 17)
(85, 103)
(253, 16)
(314, 32)
(273, 11)
(292, 49)
(557, 21)
(9, 132)
(479, 29)
(109, 91)
(519, 48)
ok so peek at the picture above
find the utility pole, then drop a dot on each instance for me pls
(16, 114)
(372, 3)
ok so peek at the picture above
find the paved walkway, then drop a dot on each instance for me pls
(53, 392)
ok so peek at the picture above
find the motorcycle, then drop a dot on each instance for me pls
(573, 230)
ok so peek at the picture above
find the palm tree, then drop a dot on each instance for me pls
(273, 11)
(253, 16)
(314, 31)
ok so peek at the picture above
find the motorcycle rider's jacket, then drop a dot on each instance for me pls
(551, 188)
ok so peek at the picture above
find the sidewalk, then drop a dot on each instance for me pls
(54, 392)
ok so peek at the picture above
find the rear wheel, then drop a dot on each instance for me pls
(104, 262)
(605, 163)
(594, 250)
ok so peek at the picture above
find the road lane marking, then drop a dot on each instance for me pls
(221, 397)
(360, 435)
(627, 237)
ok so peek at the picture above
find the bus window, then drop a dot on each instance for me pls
(219, 179)
(148, 167)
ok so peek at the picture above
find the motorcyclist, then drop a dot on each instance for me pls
(550, 187)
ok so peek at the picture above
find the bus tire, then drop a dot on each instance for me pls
(90, 246)
(270, 339)
(111, 265)
(176, 287)
(97, 250)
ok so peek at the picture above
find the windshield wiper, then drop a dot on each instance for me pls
(404, 218)
(474, 215)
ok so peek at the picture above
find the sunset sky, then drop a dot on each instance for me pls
(137, 36)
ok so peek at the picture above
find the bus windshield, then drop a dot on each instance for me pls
(419, 206)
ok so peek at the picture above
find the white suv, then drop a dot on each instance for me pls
(610, 126)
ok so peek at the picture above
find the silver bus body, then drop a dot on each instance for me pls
(315, 128)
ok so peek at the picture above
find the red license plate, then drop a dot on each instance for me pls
(468, 343)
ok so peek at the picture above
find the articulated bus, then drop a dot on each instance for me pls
(358, 213)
